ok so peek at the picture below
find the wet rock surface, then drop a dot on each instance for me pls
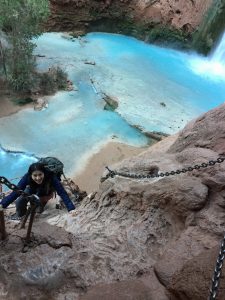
(134, 238)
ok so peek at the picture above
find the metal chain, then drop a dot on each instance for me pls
(113, 173)
(217, 272)
(219, 262)
(12, 186)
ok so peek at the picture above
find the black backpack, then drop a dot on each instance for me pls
(53, 164)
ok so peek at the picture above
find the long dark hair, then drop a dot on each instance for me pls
(46, 185)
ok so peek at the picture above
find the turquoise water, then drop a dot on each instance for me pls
(140, 76)
(13, 164)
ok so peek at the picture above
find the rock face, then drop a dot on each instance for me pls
(210, 29)
(134, 238)
(180, 14)
(83, 14)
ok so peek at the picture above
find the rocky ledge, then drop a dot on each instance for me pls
(134, 238)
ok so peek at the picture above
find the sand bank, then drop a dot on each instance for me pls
(89, 178)
(7, 107)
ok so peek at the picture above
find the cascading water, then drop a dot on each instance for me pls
(212, 66)
(218, 55)
(157, 89)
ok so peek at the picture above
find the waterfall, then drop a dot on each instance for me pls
(218, 55)
(213, 66)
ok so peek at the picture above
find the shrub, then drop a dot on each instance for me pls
(53, 80)
(61, 78)
(47, 84)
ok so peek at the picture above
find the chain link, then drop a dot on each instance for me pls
(219, 262)
(217, 272)
(12, 186)
(113, 173)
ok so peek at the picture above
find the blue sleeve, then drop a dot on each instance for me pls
(63, 194)
(12, 197)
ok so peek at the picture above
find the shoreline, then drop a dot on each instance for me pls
(8, 108)
(88, 178)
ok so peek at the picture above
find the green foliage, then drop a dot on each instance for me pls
(21, 21)
(47, 83)
(23, 17)
(157, 33)
(61, 78)
(166, 35)
(53, 80)
(127, 26)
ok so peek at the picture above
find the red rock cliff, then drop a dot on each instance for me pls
(79, 14)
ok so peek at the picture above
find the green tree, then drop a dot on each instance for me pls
(22, 21)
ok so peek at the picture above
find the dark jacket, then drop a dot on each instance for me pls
(56, 184)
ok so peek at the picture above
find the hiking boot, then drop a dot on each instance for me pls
(15, 217)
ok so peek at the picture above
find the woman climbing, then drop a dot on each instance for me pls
(40, 182)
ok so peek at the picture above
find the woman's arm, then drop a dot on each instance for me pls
(63, 194)
(12, 197)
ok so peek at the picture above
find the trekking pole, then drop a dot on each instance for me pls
(2, 223)
(2, 217)
(32, 214)
(25, 218)
(2, 194)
